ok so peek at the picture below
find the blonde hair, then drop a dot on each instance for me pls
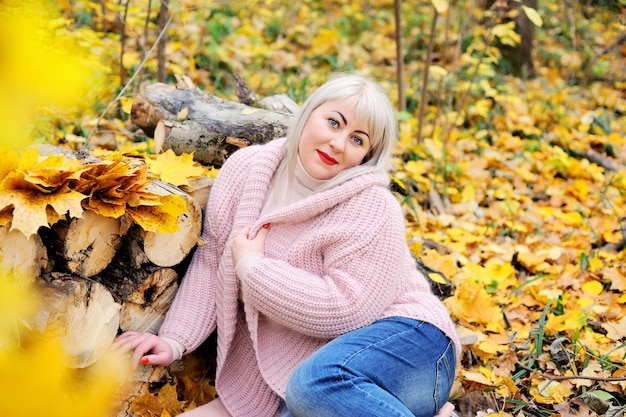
(372, 105)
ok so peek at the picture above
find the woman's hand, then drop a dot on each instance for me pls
(243, 246)
(160, 352)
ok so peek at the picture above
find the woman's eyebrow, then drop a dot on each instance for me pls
(342, 116)
(345, 122)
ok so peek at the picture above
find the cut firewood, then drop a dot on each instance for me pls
(23, 256)
(208, 148)
(169, 249)
(80, 313)
(144, 310)
(129, 269)
(199, 189)
(199, 123)
(92, 241)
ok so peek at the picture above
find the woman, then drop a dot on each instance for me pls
(307, 277)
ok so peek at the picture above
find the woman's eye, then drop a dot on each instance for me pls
(357, 140)
(333, 122)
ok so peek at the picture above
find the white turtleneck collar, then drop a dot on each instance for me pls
(283, 192)
(305, 179)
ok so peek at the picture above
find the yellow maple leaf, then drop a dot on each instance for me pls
(112, 185)
(418, 171)
(161, 218)
(114, 209)
(175, 169)
(415, 168)
(30, 206)
(490, 377)
(477, 377)
(48, 173)
(491, 347)
(502, 274)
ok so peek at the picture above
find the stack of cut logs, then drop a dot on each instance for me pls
(99, 276)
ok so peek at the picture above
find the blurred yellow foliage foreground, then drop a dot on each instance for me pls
(45, 73)
(35, 371)
(41, 69)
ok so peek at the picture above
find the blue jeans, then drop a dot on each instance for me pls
(393, 367)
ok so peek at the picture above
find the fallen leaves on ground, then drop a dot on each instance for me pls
(528, 237)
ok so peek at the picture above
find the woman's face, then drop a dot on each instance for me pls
(333, 140)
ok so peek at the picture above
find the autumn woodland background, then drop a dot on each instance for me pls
(514, 185)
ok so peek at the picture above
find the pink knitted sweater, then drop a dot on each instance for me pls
(334, 262)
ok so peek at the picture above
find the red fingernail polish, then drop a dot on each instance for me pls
(144, 361)
(266, 226)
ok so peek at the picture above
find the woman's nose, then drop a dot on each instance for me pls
(338, 142)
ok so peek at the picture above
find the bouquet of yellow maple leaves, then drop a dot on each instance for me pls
(37, 191)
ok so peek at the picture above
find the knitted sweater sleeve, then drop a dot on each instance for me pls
(361, 272)
(192, 316)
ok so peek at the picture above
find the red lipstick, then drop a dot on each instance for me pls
(327, 159)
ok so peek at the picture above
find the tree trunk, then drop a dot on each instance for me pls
(161, 56)
(519, 57)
